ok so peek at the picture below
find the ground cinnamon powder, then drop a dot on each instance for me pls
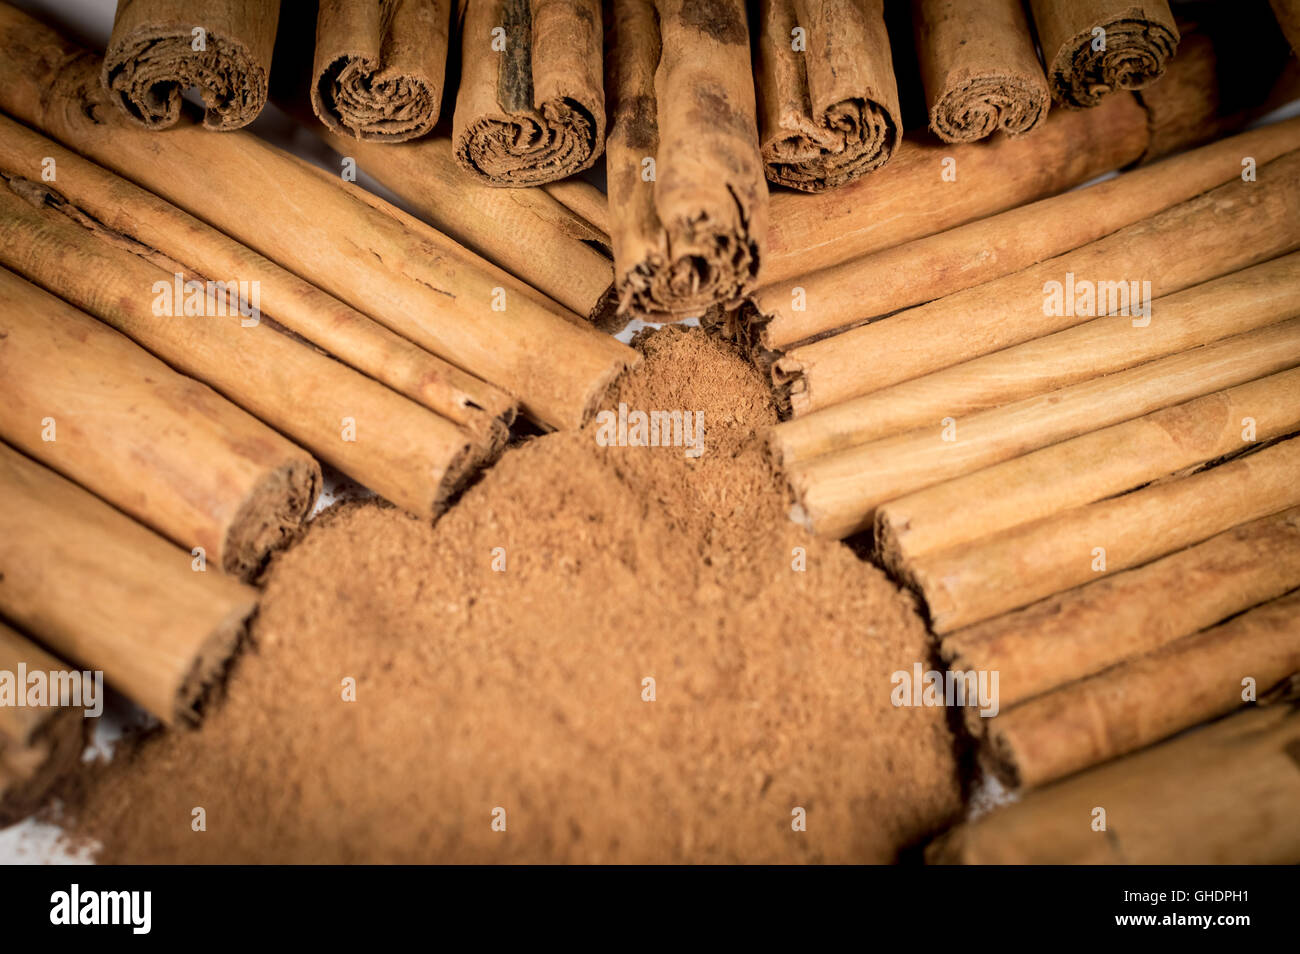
(518, 695)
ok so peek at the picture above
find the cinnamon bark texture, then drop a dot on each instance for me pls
(108, 594)
(1243, 301)
(1094, 47)
(39, 744)
(160, 48)
(1230, 227)
(402, 273)
(837, 494)
(531, 103)
(161, 447)
(686, 189)
(938, 265)
(1092, 627)
(402, 451)
(979, 67)
(1087, 468)
(1132, 705)
(379, 67)
(85, 191)
(997, 574)
(828, 101)
(1224, 794)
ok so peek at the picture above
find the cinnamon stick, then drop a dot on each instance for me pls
(38, 744)
(932, 267)
(83, 190)
(1251, 298)
(1000, 573)
(585, 201)
(379, 67)
(160, 48)
(531, 102)
(1086, 468)
(837, 494)
(686, 189)
(1230, 227)
(1223, 794)
(405, 275)
(107, 594)
(83, 399)
(828, 101)
(394, 446)
(979, 67)
(1132, 705)
(1085, 630)
(1094, 47)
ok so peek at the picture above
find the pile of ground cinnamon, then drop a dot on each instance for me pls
(519, 695)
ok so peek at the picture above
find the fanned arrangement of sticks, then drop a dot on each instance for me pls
(1065, 411)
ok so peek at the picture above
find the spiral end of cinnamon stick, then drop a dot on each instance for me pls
(709, 264)
(146, 72)
(525, 149)
(1134, 54)
(985, 104)
(354, 96)
(854, 137)
(271, 516)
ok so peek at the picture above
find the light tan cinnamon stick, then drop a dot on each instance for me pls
(1087, 468)
(1094, 47)
(828, 101)
(1223, 794)
(585, 201)
(837, 494)
(938, 265)
(405, 275)
(392, 445)
(379, 67)
(160, 48)
(83, 190)
(531, 102)
(1085, 630)
(686, 189)
(107, 594)
(1230, 227)
(1251, 298)
(527, 232)
(997, 574)
(38, 744)
(979, 67)
(1144, 700)
(83, 399)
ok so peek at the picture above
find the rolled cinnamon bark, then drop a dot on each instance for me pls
(38, 744)
(1087, 629)
(997, 574)
(1087, 468)
(585, 201)
(837, 494)
(405, 275)
(394, 446)
(1251, 298)
(1150, 698)
(1094, 47)
(160, 48)
(531, 102)
(1224, 794)
(83, 399)
(1288, 18)
(1232, 226)
(83, 190)
(527, 232)
(686, 189)
(979, 67)
(828, 101)
(938, 265)
(379, 67)
(108, 594)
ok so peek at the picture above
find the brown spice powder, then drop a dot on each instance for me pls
(522, 689)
